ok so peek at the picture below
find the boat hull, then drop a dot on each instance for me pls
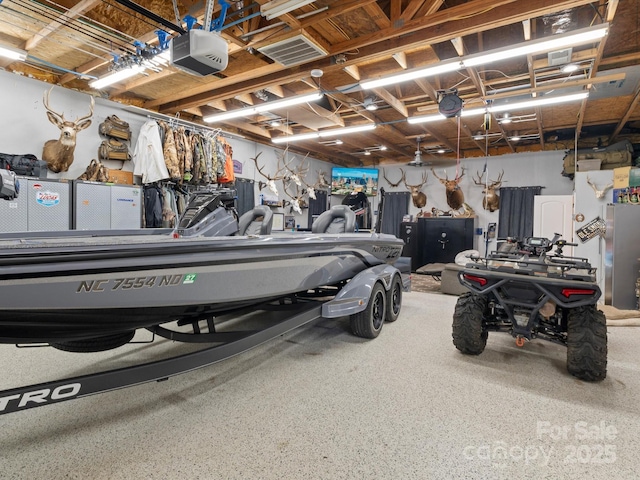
(84, 287)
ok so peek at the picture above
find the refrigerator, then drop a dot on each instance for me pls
(622, 255)
(106, 206)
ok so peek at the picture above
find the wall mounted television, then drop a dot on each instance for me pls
(345, 181)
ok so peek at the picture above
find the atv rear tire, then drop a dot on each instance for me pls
(98, 344)
(587, 343)
(469, 332)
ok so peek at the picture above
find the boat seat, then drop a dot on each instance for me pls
(339, 219)
(256, 222)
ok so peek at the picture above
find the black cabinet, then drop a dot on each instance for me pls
(409, 234)
(436, 239)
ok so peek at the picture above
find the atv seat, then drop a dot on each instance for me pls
(339, 219)
(256, 222)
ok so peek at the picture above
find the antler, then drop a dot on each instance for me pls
(446, 179)
(599, 193)
(45, 101)
(425, 176)
(296, 201)
(384, 175)
(498, 182)
(59, 117)
(479, 181)
(271, 181)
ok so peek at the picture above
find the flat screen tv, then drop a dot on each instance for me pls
(345, 181)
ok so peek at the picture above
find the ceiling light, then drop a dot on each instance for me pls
(537, 102)
(276, 123)
(478, 136)
(265, 107)
(370, 104)
(506, 118)
(13, 53)
(413, 74)
(515, 137)
(339, 142)
(367, 152)
(271, 10)
(383, 147)
(575, 38)
(571, 67)
(324, 133)
(441, 150)
(578, 37)
(116, 77)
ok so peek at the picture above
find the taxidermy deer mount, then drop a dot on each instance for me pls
(418, 197)
(393, 184)
(59, 153)
(491, 200)
(599, 193)
(455, 197)
(271, 180)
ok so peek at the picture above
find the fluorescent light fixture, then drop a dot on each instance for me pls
(295, 138)
(116, 77)
(13, 53)
(347, 130)
(265, 107)
(556, 42)
(276, 8)
(413, 74)
(537, 102)
(324, 133)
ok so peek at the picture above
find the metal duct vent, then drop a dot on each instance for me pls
(559, 57)
(293, 50)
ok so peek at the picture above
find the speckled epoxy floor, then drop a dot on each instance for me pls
(320, 403)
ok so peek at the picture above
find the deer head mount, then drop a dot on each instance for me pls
(491, 200)
(418, 197)
(297, 200)
(599, 193)
(271, 180)
(59, 153)
(455, 197)
(384, 175)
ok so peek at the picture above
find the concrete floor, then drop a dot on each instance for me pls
(320, 403)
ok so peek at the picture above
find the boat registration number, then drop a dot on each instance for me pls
(132, 283)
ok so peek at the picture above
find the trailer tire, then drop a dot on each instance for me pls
(587, 343)
(394, 300)
(469, 332)
(369, 322)
(98, 344)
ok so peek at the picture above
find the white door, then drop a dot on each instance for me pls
(553, 214)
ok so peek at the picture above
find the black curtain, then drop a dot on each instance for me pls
(516, 211)
(246, 195)
(317, 205)
(394, 206)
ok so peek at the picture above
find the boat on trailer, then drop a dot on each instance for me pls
(87, 291)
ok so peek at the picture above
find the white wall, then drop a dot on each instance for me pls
(25, 128)
(520, 170)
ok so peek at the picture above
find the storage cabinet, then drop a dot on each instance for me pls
(436, 239)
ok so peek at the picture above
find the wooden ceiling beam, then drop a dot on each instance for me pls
(625, 118)
(75, 11)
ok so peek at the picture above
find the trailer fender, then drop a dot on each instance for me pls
(354, 297)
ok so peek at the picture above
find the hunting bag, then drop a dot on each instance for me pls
(26, 165)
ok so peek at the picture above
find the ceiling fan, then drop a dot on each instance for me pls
(417, 160)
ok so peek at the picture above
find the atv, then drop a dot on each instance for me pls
(530, 293)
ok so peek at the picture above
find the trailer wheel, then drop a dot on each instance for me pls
(369, 322)
(394, 300)
(587, 343)
(98, 344)
(469, 333)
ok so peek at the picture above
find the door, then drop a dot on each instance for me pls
(554, 214)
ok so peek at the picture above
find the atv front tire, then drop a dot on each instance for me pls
(587, 343)
(469, 332)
